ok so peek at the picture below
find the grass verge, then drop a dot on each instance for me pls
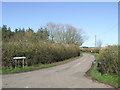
(39, 66)
(113, 80)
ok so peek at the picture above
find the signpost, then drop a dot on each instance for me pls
(19, 58)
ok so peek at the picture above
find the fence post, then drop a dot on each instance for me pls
(23, 62)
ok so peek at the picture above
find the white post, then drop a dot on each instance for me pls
(17, 62)
(23, 62)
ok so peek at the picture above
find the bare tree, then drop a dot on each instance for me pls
(52, 28)
(60, 33)
(65, 33)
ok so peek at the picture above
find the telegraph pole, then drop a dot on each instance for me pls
(95, 40)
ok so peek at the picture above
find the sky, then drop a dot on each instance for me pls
(94, 18)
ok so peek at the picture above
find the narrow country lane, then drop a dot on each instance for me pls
(69, 75)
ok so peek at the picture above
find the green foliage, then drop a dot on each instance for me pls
(106, 78)
(24, 35)
(108, 56)
(42, 34)
(6, 33)
(37, 52)
(37, 47)
(15, 70)
(39, 66)
(91, 50)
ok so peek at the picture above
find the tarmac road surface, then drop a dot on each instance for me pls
(69, 75)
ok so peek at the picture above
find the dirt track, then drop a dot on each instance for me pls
(69, 75)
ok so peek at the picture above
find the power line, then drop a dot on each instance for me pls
(105, 32)
(109, 30)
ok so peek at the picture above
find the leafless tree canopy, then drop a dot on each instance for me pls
(65, 33)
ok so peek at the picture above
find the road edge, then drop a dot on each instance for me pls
(57, 64)
(87, 75)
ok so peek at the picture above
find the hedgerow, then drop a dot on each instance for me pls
(91, 50)
(37, 52)
(108, 57)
